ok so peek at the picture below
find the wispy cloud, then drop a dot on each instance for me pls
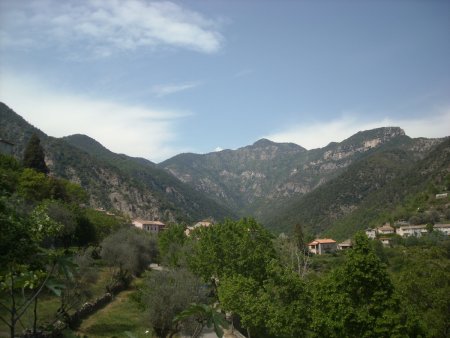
(319, 134)
(168, 89)
(103, 27)
(134, 130)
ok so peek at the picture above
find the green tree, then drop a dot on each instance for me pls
(164, 294)
(279, 307)
(128, 252)
(357, 299)
(172, 245)
(9, 174)
(33, 186)
(203, 315)
(76, 288)
(26, 268)
(34, 156)
(241, 247)
(423, 285)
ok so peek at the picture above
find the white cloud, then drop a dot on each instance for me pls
(168, 89)
(218, 149)
(133, 130)
(102, 27)
(319, 134)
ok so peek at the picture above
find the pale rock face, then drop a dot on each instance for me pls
(268, 171)
(72, 174)
(371, 143)
(251, 174)
(185, 178)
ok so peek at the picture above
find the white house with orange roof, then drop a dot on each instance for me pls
(322, 245)
(151, 226)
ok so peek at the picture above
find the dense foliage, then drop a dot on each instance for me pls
(46, 230)
(34, 157)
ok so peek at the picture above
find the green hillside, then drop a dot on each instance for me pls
(368, 193)
(133, 186)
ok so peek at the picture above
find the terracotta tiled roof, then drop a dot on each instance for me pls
(322, 241)
(149, 222)
(385, 227)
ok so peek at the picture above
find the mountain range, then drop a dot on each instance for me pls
(333, 190)
(134, 186)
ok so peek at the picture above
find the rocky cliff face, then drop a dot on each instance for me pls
(133, 186)
(252, 178)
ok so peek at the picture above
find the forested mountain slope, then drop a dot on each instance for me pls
(260, 178)
(133, 186)
(366, 193)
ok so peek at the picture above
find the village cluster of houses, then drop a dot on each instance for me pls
(404, 229)
(383, 233)
(322, 245)
(156, 227)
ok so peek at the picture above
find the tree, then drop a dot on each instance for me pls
(34, 156)
(26, 268)
(357, 299)
(128, 252)
(164, 294)
(279, 307)
(293, 251)
(241, 247)
(423, 285)
(76, 285)
(204, 315)
(172, 244)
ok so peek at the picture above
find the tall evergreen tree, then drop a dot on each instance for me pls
(34, 156)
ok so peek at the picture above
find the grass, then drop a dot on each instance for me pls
(48, 304)
(120, 318)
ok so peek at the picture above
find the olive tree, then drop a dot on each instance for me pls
(128, 252)
(165, 294)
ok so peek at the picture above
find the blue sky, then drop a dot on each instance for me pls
(153, 78)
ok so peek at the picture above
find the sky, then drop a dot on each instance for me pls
(156, 78)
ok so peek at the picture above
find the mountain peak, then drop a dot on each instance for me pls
(262, 143)
(86, 143)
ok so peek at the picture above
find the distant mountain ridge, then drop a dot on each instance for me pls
(263, 176)
(334, 190)
(134, 186)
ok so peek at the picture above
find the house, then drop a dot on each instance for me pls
(6, 147)
(385, 230)
(371, 233)
(151, 226)
(204, 223)
(445, 228)
(322, 245)
(347, 244)
(412, 230)
(441, 196)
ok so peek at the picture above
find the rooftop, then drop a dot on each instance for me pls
(322, 241)
(148, 222)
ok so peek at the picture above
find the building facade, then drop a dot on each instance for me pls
(321, 246)
(154, 227)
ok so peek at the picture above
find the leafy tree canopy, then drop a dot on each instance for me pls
(34, 156)
(241, 247)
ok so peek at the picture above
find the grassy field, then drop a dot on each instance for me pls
(120, 318)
